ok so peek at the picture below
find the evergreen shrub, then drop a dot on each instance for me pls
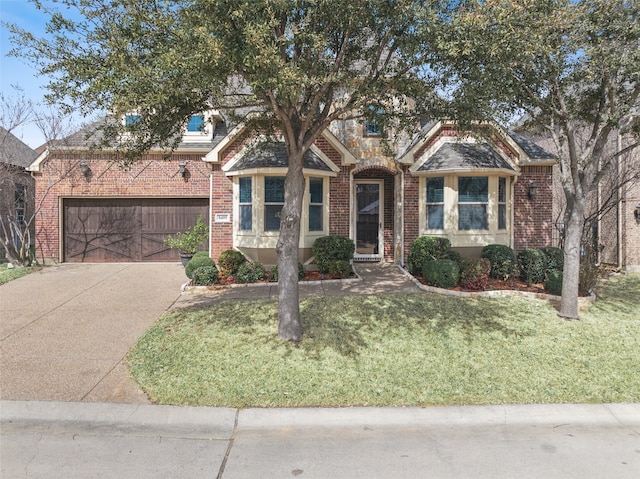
(250, 272)
(441, 273)
(553, 283)
(502, 259)
(332, 248)
(424, 249)
(205, 276)
(230, 261)
(273, 274)
(532, 264)
(554, 257)
(340, 269)
(196, 262)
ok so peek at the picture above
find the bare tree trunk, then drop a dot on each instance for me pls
(574, 223)
(289, 325)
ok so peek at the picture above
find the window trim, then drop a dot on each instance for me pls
(266, 203)
(315, 204)
(474, 203)
(434, 203)
(258, 236)
(467, 238)
(205, 135)
(242, 204)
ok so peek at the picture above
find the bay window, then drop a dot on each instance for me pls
(273, 202)
(316, 204)
(245, 201)
(502, 203)
(473, 199)
(435, 203)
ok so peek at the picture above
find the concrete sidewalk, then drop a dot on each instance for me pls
(373, 278)
(80, 440)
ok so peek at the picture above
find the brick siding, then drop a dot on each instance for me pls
(151, 176)
(533, 219)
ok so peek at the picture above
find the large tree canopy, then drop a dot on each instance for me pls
(300, 64)
(571, 69)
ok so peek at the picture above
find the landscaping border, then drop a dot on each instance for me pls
(553, 299)
(219, 287)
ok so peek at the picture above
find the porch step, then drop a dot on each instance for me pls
(367, 259)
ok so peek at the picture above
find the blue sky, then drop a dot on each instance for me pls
(15, 71)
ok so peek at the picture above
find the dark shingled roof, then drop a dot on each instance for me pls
(274, 156)
(92, 134)
(465, 156)
(533, 150)
(15, 152)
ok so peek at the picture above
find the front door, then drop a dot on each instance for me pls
(368, 220)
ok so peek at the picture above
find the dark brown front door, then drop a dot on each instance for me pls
(105, 230)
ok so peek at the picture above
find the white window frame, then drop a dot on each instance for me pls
(258, 237)
(206, 134)
(474, 203)
(435, 203)
(468, 238)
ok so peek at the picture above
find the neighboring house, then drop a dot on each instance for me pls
(16, 186)
(475, 192)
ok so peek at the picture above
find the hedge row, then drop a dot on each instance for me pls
(433, 258)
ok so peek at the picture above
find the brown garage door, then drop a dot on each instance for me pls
(105, 230)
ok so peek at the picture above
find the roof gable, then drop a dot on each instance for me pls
(14, 151)
(274, 155)
(464, 156)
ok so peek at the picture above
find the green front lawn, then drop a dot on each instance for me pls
(9, 274)
(397, 350)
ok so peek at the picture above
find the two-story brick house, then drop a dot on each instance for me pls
(438, 182)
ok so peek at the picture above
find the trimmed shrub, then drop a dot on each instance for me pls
(502, 259)
(453, 255)
(200, 254)
(250, 272)
(205, 275)
(425, 249)
(332, 248)
(441, 273)
(532, 264)
(340, 269)
(273, 274)
(230, 261)
(554, 257)
(474, 273)
(553, 283)
(196, 262)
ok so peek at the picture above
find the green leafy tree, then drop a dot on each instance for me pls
(570, 68)
(297, 64)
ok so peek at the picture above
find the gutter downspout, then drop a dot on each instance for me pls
(400, 226)
(619, 207)
(210, 209)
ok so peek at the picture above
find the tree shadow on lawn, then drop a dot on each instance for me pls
(349, 324)
(619, 294)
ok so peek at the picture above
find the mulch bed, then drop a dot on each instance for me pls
(308, 276)
(513, 284)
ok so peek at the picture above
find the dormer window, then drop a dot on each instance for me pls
(131, 119)
(196, 124)
(199, 128)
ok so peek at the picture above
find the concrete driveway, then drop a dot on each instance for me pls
(65, 330)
